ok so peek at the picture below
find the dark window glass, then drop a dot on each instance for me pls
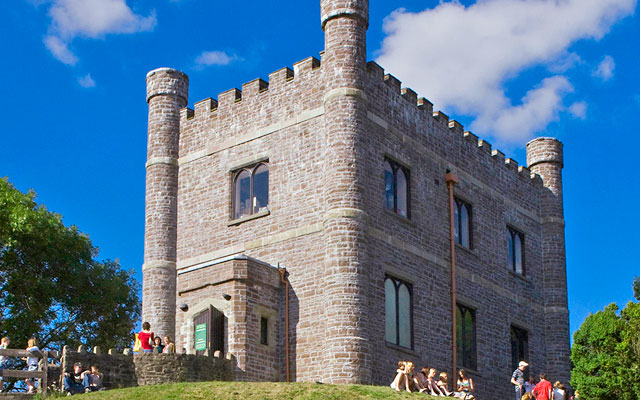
(466, 337)
(264, 330)
(515, 251)
(389, 187)
(398, 312)
(462, 223)
(396, 188)
(251, 190)
(261, 188)
(519, 346)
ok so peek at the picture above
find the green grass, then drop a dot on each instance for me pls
(251, 390)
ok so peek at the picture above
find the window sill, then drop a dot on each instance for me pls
(400, 348)
(239, 221)
(466, 249)
(470, 371)
(400, 217)
(520, 276)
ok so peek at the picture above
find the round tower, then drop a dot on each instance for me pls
(167, 93)
(346, 345)
(544, 157)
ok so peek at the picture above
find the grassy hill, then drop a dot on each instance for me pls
(251, 390)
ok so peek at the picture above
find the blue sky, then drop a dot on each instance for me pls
(74, 113)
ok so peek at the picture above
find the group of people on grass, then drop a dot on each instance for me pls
(541, 390)
(425, 382)
(82, 381)
(149, 343)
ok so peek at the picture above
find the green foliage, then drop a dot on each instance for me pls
(636, 287)
(606, 354)
(51, 285)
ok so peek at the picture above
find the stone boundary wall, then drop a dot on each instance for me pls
(126, 369)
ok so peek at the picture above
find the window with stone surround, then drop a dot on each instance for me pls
(398, 312)
(466, 337)
(515, 250)
(462, 223)
(396, 187)
(519, 346)
(250, 190)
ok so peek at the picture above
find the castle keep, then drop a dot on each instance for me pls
(303, 224)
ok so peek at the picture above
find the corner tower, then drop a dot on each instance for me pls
(347, 347)
(167, 93)
(545, 158)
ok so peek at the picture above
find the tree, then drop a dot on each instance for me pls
(636, 288)
(606, 354)
(51, 285)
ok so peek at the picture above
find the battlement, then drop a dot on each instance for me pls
(126, 369)
(253, 91)
(376, 72)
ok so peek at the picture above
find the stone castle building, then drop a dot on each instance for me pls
(307, 226)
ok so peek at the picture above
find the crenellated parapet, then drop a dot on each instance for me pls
(444, 122)
(253, 93)
(123, 369)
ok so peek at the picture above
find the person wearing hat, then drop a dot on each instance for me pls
(517, 378)
(73, 382)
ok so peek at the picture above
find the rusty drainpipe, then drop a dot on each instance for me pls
(451, 180)
(283, 279)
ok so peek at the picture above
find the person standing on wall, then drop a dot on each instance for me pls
(517, 378)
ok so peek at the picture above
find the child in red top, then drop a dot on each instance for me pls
(542, 391)
(146, 338)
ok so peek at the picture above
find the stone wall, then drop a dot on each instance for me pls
(127, 370)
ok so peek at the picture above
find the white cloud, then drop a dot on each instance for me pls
(578, 109)
(605, 69)
(90, 19)
(461, 57)
(538, 107)
(60, 50)
(208, 58)
(86, 81)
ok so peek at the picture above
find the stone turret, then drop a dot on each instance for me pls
(544, 157)
(167, 93)
(347, 347)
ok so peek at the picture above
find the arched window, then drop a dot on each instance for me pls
(466, 336)
(396, 188)
(251, 190)
(515, 251)
(462, 223)
(398, 312)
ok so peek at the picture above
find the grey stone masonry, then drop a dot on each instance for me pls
(545, 158)
(326, 129)
(128, 370)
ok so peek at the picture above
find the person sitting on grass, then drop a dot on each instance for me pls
(75, 383)
(420, 379)
(403, 377)
(432, 385)
(92, 381)
(465, 384)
